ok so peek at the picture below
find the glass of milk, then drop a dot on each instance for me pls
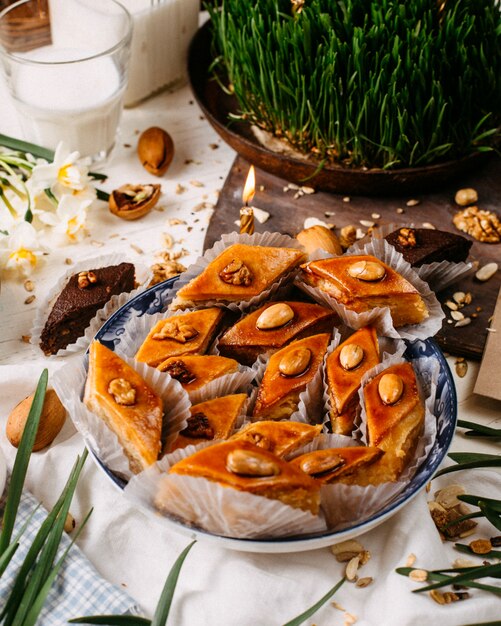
(65, 64)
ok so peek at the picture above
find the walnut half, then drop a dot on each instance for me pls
(178, 331)
(236, 273)
(86, 279)
(122, 391)
(198, 427)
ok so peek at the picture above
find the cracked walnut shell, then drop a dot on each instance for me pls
(130, 202)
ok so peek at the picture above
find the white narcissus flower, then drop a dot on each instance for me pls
(70, 216)
(66, 174)
(20, 249)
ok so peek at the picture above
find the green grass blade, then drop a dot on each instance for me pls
(300, 619)
(21, 463)
(165, 601)
(470, 460)
(448, 580)
(476, 500)
(477, 430)
(16, 593)
(472, 575)
(7, 555)
(43, 566)
(112, 620)
(37, 605)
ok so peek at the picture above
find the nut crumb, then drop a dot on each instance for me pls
(463, 322)
(411, 559)
(399, 211)
(168, 241)
(196, 183)
(418, 575)
(68, 261)
(375, 216)
(349, 619)
(175, 221)
(26, 338)
(429, 226)
(367, 223)
(412, 202)
(482, 225)
(29, 299)
(179, 189)
(137, 248)
(347, 199)
(364, 582)
(29, 285)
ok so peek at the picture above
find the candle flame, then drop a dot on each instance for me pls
(250, 186)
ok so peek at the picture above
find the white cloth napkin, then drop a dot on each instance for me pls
(219, 587)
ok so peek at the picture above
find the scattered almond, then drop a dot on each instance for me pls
(69, 523)
(457, 315)
(486, 272)
(155, 150)
(461, 368)
(319, 237)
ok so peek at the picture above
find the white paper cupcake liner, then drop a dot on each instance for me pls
(142, 275)
(69, 383)
(267, 239)
(439, 274)
(220, 510)
(380, 318)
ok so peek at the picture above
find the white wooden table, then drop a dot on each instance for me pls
(127, 547)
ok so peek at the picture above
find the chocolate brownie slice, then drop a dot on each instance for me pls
(424, 245)
(84, 294)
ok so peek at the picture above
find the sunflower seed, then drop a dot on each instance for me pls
(451, 305)
(29, 299)
(364, 582)
(418, 575)
(429, 226)
(464, 322)
(459, 297)
(352, 568)
(457, 315)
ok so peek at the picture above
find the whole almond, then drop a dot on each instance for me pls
(51, 421)
(391, 388)
(351, 356)
(368, 271)
(275, 316)
(295, 362)
(250, 463)
(155, 149)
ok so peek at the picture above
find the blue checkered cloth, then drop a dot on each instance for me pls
(78, 589)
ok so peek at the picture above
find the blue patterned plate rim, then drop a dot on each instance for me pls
(153, 300)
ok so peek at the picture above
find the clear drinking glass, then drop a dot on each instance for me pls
(65, 64)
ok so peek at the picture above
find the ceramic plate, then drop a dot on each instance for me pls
(154, 300)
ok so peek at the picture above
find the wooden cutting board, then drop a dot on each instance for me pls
(287, 215)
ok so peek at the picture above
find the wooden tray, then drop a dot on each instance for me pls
(288, 215)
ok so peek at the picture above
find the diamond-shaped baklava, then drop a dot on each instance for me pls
(245, 467)
(129, 407)
(363, 282)
(344, 369)
(239, 273)
(212, 419)
(273, 326)
(288, 373)
(188, 333)
(395, 418)
(195, 371)
(280, 438)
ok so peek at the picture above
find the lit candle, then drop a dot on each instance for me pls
(246, 212)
